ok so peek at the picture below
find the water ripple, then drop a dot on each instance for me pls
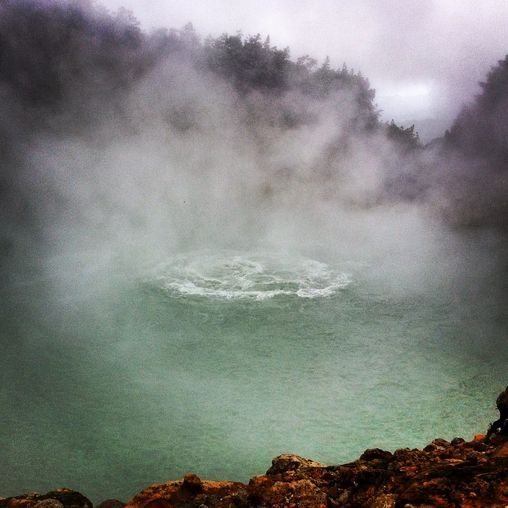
(258, 276)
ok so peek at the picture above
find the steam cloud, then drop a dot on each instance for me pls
(119, 147)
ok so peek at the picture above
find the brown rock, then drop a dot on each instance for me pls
(290, 462)
(191, 492)
(376, 454)
(110, 503)
(299, 493)
(384, 501)
(48, 503)
(502, 450)
(192, 483)
(502, 403)
(59, 498)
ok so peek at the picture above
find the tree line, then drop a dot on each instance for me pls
(72, 59)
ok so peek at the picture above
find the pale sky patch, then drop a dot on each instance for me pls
(405, 44)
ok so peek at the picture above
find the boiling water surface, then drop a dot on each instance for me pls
(215, 362)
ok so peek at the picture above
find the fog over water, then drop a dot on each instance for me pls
(208, 261)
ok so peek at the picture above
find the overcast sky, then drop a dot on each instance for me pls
(424, 57)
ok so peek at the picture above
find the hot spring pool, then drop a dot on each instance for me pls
(216, 361)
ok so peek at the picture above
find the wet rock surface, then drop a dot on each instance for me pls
(110, 503)
(500, 426)
(60, 498)
(460, 473)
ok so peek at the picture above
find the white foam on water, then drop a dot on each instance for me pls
(257, 276)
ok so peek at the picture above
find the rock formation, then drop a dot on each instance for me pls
(500, 426)
(468, 474)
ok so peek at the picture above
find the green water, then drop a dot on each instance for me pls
(106, 388)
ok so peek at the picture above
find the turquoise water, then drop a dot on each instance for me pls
(216, 361)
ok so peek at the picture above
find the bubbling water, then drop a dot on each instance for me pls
(257, 276)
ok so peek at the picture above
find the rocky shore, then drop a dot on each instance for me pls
(457, 474)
